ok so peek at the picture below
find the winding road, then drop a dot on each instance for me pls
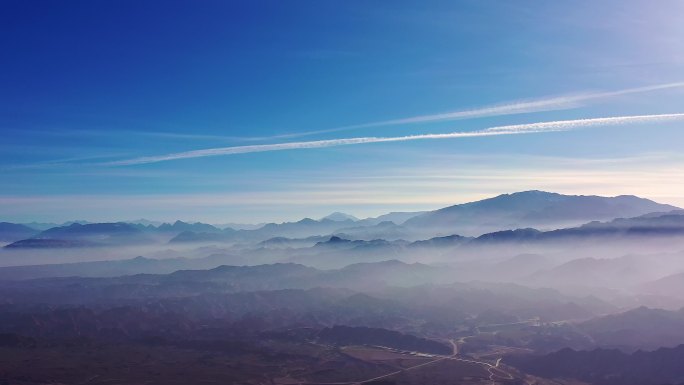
(495, 372)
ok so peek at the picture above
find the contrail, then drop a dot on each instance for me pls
(519, 107)
(528, 128)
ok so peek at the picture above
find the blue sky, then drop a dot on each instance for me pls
(87, 88)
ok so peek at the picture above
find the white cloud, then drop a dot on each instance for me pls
(512, 108)
(561, 125)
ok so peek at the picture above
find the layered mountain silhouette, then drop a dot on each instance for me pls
(530, 273)
(10, 232)
(609, 367)
(180, 226)
(640, 328)
(669, 286)
(651, 225)
(96, 234)
(518, 217)
(536, 209)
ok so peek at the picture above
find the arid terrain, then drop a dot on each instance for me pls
(260, 307)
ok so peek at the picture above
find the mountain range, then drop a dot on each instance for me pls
(529, 283)
(541, 210)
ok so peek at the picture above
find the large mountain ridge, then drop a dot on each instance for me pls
(495, 219)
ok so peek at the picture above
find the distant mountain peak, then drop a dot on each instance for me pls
(534, 192)
(340, 217)
(144, 222)
(336, 239)
(306, 221)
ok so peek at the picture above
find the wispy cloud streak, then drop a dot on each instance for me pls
(529, 128)
(553, 103)
(520, 107)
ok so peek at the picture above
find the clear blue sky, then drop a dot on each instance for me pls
(88, 85)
